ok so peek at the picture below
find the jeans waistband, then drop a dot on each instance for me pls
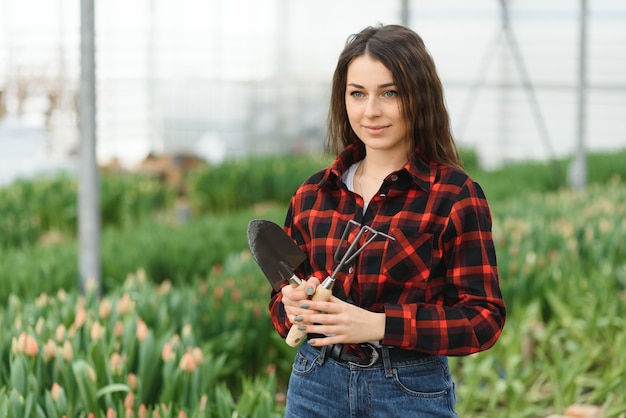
(366, 355)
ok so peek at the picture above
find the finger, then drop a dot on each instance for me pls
(328, 340)
(311, 285)
(293, 297)
(323, 319)
(325, 307)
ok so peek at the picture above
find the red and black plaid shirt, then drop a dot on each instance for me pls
(437, 281)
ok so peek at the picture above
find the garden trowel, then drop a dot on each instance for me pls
(278, 256)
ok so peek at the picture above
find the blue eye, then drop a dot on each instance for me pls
(390, 93)
(356, 94)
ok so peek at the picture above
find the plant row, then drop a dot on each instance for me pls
(205, 349)
(176, 252)
(44, 209)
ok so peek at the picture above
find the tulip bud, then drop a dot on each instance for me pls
(91, 284)
(142, 330)
(168, 353)
(32, 348)
(97, 331)
(41, 300)
(119, 329)
(116, 363)
(39, 325)
(19, 346)
(49, 350)
(281, 398)
(132, 381)
(164, 288)
(56, 391)
(125, 305)
(129, 401)
(105, 308)
(60, 333)
(186, 332)
(92, 374)
(196, 352)
(79, 319)
(71, 332)
(67, 352)
(187, 363)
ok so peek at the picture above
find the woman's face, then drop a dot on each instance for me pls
(374, 107)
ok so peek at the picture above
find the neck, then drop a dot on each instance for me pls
(377, 166)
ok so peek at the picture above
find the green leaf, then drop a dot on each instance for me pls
(51, 407)
(112, 388)
(86, 387)
(19, 374)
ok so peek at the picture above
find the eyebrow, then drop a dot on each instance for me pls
(380, 86)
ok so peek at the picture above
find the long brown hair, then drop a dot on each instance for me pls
(403, 52)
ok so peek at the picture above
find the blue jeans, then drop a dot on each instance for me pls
(322, 387)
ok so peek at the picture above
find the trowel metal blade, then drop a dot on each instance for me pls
(274, 251)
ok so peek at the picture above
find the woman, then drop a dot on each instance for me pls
(427, 287)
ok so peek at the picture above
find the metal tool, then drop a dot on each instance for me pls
(278, 256)
(325, 290)
(275, 252)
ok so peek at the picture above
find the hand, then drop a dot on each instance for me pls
(292, 298)
(343, 322)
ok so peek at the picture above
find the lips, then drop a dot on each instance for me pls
(376, 130)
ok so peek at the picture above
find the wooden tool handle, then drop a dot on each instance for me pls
(296, 336)
(322, 294)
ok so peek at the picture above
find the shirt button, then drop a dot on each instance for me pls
(351, 269)
(382, 195)
(394, 177)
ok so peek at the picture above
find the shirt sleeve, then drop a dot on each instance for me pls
(473, 313)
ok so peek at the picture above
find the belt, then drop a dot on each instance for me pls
(366, 355)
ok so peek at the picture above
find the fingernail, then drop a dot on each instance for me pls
(305, 306)
(310, 291)
(302, 327)
(311, 342)
(298, 318)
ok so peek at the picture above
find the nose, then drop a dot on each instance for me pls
(372, 107)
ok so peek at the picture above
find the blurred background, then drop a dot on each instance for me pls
(221, 78)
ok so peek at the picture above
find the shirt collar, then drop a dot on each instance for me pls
(420, 171)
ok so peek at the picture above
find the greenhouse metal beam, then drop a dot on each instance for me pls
(405, 13)
(88, 181)
(578, 169)
(506, 33)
